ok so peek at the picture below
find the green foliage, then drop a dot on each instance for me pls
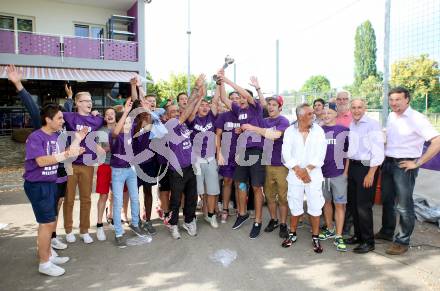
(175, 84)
(371, 89)
(316, 87)
(364, 53)
(420, 75)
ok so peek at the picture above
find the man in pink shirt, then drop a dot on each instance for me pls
(344, 115)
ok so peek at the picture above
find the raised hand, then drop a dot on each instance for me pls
(73, 152)
(68, 90)
(14, 75)
(133, 81)
(81, 134)
(200, 81)
(128, 105)
(254, 82)
(95, 113)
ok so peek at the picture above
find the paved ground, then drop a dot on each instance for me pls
(185, 265)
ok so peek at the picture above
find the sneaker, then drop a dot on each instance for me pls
(327, 233)
(272, 225)
(284, 233)
(70, 237)
(255, 231)
(340, 244)
(58, 260)
(224, 217)
(53, 253)
(57, 244)
(240, 220)
(191, 227)
(214, 223)
(207, 219)
(317, 248)
(87, 239)
(166, 219)
(137, 229)
(120, 242)
(51, 269)
(100, 234)
(288, 242)
(148, 227)
(174, 230)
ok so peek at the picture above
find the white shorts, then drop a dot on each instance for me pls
(314, 197)
(207, 177)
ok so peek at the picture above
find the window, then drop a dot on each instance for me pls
(16, 23)
(85, 30)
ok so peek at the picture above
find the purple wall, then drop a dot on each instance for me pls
(133, 11)
(7, 41)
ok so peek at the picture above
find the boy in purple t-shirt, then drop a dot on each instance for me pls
(335, 177)
(250, 144)
(81, 171)
(227, 131)
(41, 165)
(276, 173)
(201, 122)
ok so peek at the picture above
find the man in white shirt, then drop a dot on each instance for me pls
(407, 131)
(303, 152)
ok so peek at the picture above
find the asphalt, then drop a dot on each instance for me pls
(165, 264)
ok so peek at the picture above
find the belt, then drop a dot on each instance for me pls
(397, 160)
(364, 163)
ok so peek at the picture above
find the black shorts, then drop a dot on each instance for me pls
(164, 178)
(255, 174)
(42, 196)
(151, 169)
(61, 190)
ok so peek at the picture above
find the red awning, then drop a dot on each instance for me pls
(66, 74)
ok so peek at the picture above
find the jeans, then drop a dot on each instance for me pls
(121, 176)
(398, 185)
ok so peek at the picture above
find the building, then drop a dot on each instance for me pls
(94, 45)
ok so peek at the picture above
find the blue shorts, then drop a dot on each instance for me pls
(43, 198)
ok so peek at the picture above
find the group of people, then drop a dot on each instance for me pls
(221, 149)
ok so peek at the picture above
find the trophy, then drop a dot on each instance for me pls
(228, 61)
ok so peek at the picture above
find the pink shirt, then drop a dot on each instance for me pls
(344, 119)
(407, 133)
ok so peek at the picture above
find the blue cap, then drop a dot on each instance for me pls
(332, 106)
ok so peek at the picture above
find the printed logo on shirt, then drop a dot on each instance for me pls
(186, 145)
(50, 170)
(231, 125)
(52, 147)
(203, 128)
(80, 127)
(331, 141)
(243, 116)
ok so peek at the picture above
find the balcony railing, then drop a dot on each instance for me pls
(29, 43)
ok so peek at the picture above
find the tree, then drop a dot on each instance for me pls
(420, 75)
(176, 84)
(371, 89)
(151, 86)
(316, 87)
(364, 53)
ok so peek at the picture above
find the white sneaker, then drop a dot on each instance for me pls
(213, 222)
(191, 227)
(58, 260)
(87, 239)
(207, 219)
(57, 244)
(174, 230)
(100, 234)
(70, 237)
(53, 253)
(51, 269)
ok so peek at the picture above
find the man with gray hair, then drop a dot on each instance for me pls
(303, 151)
(344, 117)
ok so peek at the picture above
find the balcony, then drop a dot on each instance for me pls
(29, 43)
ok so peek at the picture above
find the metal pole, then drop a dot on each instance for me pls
(278, 67)
(188, 32)
(235, 73)
(386, 62)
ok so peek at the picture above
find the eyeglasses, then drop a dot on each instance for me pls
(88, 101)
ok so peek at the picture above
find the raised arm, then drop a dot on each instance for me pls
(120, 125)
(191, 108)
(223, 97)
(240, 90)
(215, 101)
(268, 133)
(68, 104)
(15, 76)
(133, 88)
(110, 97)
(254, 83)
(195, 107)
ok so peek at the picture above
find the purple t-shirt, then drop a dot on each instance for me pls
(75, 121)
(337, 146)
(253, 115)
(140, 143)
(279, 123)
(40, 144)
(203, 135)
(228, 122)
(117, 147)
(179, 144)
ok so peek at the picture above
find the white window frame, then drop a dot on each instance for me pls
(90, 25)
(16, 17)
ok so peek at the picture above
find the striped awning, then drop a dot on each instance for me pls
(68, 74)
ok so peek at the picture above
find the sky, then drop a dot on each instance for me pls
(316, 38)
